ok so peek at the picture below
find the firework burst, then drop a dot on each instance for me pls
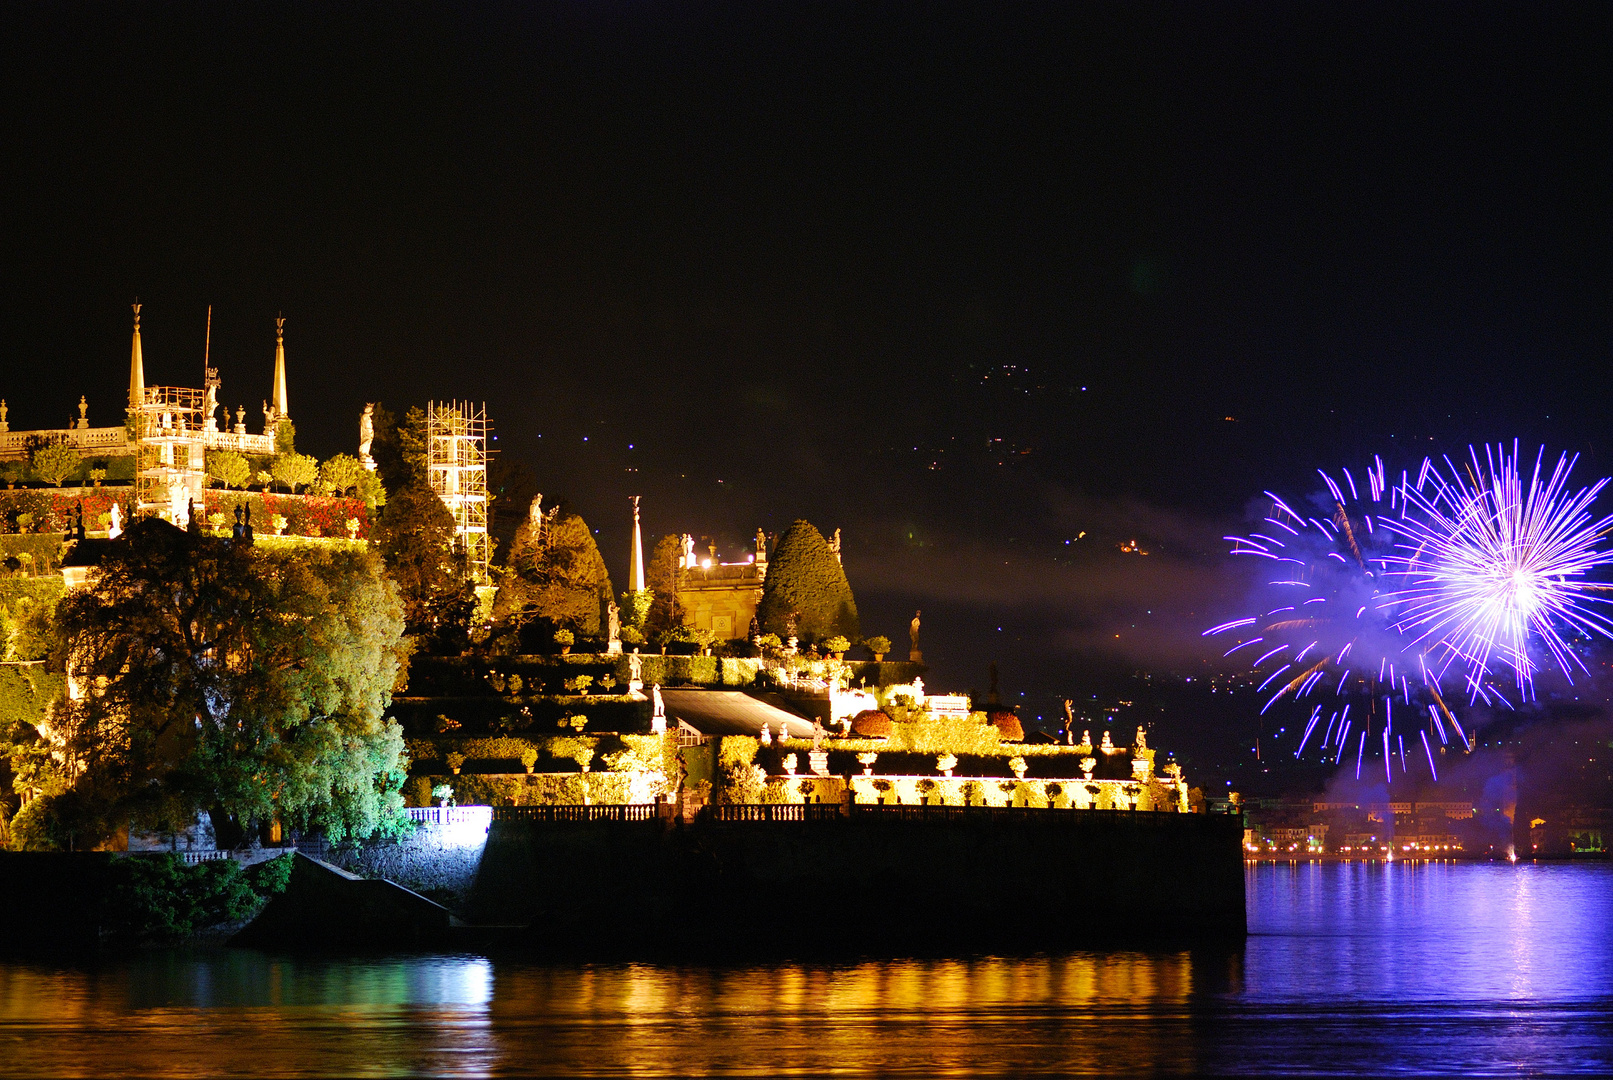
(1327, 628)
(1491, 562)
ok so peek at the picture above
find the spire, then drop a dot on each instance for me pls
(280, 406)
(137, 366)
(635, 567)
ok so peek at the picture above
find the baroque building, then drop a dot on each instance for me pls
(167, 430)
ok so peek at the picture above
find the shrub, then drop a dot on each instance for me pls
(564, 638)
(455, 760)
(837, 644)
(871, 723)
(768, 641)
(529, 758)
(632, 635)
(1007, 725)
(805, 579)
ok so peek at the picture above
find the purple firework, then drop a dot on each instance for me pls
(1328, 628)
(1489, 564)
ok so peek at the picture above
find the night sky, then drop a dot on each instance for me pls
(966, 281)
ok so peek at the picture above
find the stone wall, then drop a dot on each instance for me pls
(979, 880)
(439, 861)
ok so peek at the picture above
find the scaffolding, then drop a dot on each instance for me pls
(170, 456)
(456, 466)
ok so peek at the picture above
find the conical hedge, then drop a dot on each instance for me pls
(804, 576)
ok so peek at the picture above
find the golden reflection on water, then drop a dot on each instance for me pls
(182, 1014)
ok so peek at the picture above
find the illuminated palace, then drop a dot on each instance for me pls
(167, 430)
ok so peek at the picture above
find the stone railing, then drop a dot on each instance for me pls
(15, 443)
(774, 812)
(450, 815)
(561, 813)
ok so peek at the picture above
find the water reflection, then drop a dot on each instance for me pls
(1349, 970)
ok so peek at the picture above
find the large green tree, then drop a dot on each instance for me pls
(415, 535)
(208, 674)
(556, 573)
(805, 578)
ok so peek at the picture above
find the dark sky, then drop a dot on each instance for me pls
(963, 280)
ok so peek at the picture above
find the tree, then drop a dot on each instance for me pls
(285, 437)
(415, 536)
(399, 447)
(55, 461)
(805, 578)
(215, 675)
(342, 473)
(663, 577)
(558, 576)
(228, 468)
(294, 470)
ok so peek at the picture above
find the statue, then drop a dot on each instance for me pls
(115, 529)
(240, 420)
(614, 616)
(660, 706)
(761, 546)
(913, 637)
(767, 736)
(834, 545)
(635, 665)
(755, 630)
(5, 425)
(83, 412)
(209, 407)
(688, 552)
(1069, 723)
(270, 418)
(534, 516)
(1108, 746)
(1142, 739)
(818, 732)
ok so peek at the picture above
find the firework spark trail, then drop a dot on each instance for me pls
(1490, 561)
(1325, 605)
(1458, 573)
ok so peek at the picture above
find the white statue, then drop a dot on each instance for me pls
(767, 735)
(366, 434)
(688, 552)
(209, 407)
(635, 665)
(660, 706)
(115, 529)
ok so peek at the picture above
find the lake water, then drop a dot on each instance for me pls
(1349, 969)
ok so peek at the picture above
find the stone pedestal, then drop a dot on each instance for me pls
(916, 657)
(634, 686)
(657, 725)
(613, 648)
(819, 760)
